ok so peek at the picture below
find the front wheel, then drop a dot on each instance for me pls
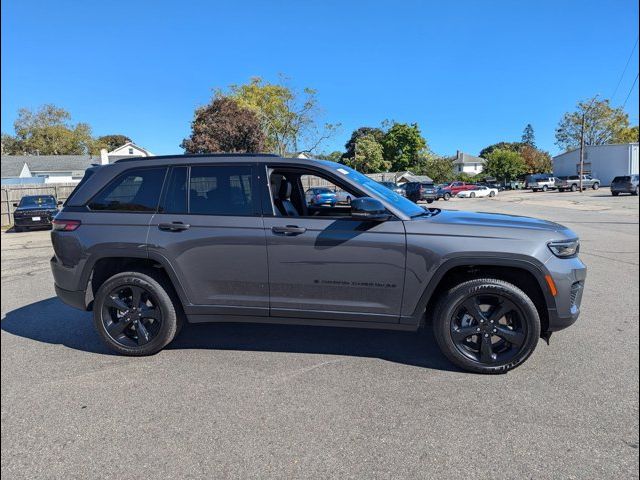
(545, 188)
(492, 194)
(134, 314)
(486, 326)
(574, 188)
(635, 192)
(447, 197)
(615, 194)
(430, 200)
(472, 195)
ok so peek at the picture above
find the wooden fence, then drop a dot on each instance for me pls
(11, 194)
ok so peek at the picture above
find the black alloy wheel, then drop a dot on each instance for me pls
(131, 316)
(486, 325)
(488, 328)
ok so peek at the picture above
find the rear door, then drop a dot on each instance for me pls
(209, 231)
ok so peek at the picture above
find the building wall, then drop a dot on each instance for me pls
(470, 168)
(601, 161)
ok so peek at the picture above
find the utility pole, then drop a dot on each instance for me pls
(584, 114)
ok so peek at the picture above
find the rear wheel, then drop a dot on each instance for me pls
(492, 194)
(472, 195)
(636, 191)
(430, 200)
(447, 197)
(615, 194)
(574, 188)
(134, 314)
(545, 188)
(486, 326)
(596, 186)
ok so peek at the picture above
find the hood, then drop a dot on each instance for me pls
(501, 220)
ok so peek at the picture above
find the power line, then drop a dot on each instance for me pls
(625, 69)
(630, 90)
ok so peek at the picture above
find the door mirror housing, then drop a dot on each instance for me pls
(368, 209)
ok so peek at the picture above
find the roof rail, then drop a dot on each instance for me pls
(198, 155)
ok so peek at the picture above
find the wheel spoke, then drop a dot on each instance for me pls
(117, 303)
(461, 334)
(486, 350)
(501, 310)
(473, 308)
(136, 296)
(150, 312)
(143, 333)
(511, 336)
(117, 328)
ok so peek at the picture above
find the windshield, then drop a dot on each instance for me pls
(38, 201)
(398, 201)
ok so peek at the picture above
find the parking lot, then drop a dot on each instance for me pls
(238, 401)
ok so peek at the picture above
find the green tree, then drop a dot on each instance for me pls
(511, 146)
(111, 142)
(224, 126)
(369, 156)
(289, 118)
(376, 133)
(505, 165)
(335, 156)
(403, 145)
(439, 169)
(603, 124)
(11, 145)
(628, 135)
(49, 131)
(528, 136)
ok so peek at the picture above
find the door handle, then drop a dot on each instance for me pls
(173, 226)
(289, 230)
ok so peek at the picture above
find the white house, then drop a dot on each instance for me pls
(465, 163)
(601, 161)
(127, 150)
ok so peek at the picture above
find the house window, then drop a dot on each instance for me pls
(130, 151)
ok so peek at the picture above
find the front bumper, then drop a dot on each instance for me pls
(569, 276)
(29, 222)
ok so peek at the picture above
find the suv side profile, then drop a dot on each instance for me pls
(148, 244)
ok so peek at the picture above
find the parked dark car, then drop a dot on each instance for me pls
(401, 189)
(443, 192)
(420, 192)
(624, 184)
(389, 185)
(321, 196)
(34, 211)
(150, 243)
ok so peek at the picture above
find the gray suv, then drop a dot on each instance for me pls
(148, 244)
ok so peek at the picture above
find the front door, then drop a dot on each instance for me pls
(325, 265)
(209, 229)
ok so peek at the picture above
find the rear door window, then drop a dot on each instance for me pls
(221, 190)
(137, 190)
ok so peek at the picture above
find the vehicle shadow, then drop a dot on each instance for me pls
(50, 321)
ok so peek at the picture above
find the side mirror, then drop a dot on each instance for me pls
(368, 209)
(15, 204)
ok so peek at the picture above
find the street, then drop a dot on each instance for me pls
(261, 401)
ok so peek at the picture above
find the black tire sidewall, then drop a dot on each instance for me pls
(452, 299)
(169, 317)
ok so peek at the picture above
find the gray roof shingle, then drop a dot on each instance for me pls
(12, 164)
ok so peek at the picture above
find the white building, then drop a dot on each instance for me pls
(601, 161)
(465, 163)
(27, 169)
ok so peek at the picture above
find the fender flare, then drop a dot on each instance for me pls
(524, 262)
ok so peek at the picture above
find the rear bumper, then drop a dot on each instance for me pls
(75, 299)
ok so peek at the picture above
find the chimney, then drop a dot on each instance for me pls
(104, 158)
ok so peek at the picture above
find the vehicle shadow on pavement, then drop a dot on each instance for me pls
(51, 321)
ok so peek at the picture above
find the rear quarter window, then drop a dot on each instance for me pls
(136, 190)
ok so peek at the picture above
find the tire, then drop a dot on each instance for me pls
(635, 192)
(596, 186)
(545, 188)
(446, 197)
(492, 194)
(472, 195)
(524, 330)
(430, 200)
(129, 342)
(574, 188)
(615, 194)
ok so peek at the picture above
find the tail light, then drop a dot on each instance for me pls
(65, 225)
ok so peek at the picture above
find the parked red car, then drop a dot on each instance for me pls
(457, 187)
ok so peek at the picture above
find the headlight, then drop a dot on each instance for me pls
(565, 248)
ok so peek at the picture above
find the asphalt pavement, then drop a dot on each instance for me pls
(260, 401)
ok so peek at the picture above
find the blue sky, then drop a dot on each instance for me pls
(471, 73)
